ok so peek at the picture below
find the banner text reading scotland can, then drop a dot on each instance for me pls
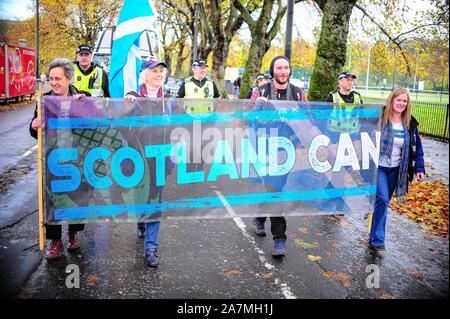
(109, 159)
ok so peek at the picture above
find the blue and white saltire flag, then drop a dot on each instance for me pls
(135, 17)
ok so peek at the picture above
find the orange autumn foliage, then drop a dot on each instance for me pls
(427, 204)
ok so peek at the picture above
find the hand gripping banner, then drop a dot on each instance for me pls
(114, 160)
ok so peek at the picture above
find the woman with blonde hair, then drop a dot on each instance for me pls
(401, 156)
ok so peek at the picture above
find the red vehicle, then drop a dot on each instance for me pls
(17, 72)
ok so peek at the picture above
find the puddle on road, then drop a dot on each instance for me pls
(11, 175)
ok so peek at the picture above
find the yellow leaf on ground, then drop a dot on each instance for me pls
(334, 245)
(385, 295)
(303, 230)
(266, 275)
(91, 280)
(414, 273)
(342, 277)
(305, 245)
(231, 272)
(314, 258)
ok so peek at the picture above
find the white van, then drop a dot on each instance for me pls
(149, 47)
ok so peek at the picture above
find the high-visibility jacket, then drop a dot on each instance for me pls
(193, 91)
(344, 122)
(91, 82)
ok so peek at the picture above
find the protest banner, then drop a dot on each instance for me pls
(113, 160)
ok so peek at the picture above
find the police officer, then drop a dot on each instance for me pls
(89, 77)
(346, 99)
(198, 86)
(345, 93)
(344, 96)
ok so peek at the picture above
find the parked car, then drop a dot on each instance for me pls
(172, 86)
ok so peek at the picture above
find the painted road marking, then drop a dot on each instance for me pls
(27, 153)
(285, 290)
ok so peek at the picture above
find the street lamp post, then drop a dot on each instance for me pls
(37, 38)
(415, 72)
(350, 58)
(415, 76)
(289, 21)
(194, 45)
(368, 73)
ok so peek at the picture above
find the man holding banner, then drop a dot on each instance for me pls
(278, 89)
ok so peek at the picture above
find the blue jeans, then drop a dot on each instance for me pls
(151, 235)
(386, 184)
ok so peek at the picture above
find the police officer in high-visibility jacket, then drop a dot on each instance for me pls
(198, 86)
(346, 99)
(88, 76)
(346, 120)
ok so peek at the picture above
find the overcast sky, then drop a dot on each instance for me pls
(305, 17)
(15, 9)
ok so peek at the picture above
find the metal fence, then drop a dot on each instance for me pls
(433, 119)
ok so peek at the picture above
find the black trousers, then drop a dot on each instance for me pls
(277, 227)
(54, 232)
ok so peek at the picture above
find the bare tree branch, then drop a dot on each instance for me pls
(275, 26)
(415, 29)
(245, 13)
(390, 37)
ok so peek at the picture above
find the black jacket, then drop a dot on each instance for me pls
(72, 91)
(295, 93)
(416, 162)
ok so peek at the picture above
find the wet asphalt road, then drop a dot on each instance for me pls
(215, 258)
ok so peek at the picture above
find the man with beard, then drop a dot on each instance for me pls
(278, 89)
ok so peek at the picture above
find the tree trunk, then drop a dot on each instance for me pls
(223, 26)
(331, 50)
(261, 38)
(256, 53)
(180, 60)
(168, 60)
(220, 56)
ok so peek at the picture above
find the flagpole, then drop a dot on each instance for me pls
(40, 181)
(369, 217)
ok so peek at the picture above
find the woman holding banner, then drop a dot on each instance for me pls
(61, 72)
(151, 80)
(401, 156)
